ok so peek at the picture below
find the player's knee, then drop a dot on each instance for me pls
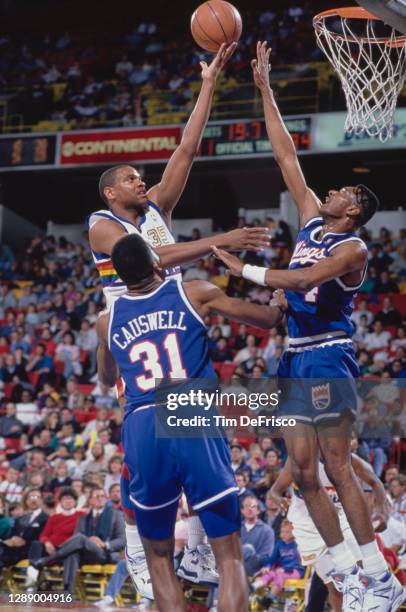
(305, 478)
(158, 549)
(338, 470)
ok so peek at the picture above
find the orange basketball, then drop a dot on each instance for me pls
(216, 22)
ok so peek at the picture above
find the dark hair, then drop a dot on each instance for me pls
(368, 204)
(68, 492)
(108, 178)
(132, 259)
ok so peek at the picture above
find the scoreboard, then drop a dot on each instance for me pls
(249, 138)
(242, 139)
(17, 151)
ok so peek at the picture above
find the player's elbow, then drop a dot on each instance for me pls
(189, 148)
(305, 284)
(107, 379)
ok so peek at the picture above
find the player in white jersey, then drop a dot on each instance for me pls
(312, 548)
(134, 209)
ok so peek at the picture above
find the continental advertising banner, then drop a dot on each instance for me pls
(107, 146)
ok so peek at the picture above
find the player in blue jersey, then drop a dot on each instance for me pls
(326, 270)
(156, 331)
(132, 208)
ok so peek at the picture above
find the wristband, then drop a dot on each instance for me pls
(255, 274)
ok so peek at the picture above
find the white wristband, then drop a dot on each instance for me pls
(255, 274)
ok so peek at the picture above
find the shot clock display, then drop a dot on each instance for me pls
(249, 138)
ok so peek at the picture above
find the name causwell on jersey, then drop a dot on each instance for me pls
(305, 255)
(153, 321)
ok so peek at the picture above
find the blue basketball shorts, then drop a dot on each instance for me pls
(318, 385)
(160, 469)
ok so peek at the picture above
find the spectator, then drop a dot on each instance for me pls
(397, 490)
(385, 284)
(378, 339)
(388, 315)
(113, 472)
(257, 538)
(58, 529)
(40, 363)
(62, 479)
(97, 462)
(237, 459)
(104, 396)
(75, 397)
(376, 440)
(26, 529)
(242, 482)
(272, 516)
(11, 489)
(6, 523)
(27, 410)
(284, 562)
(124, 67)
(362, 311)
(99, 537)
(10, 425)
(221, 353)
(249, 351)
(114, 496)
(391, 471)
(69, 354)
(197, 271)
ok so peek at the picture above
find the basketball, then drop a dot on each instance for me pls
(216, 22)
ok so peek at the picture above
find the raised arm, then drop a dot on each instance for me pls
(283, 147)
(346, 260)
(209, 299)
(167, 193)
(106, 366)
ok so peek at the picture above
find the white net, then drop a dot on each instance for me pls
(371, 67)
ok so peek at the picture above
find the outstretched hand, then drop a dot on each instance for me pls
(232, 262)
(261, 66)
(211, 72)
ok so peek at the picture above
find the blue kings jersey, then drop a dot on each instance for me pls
(152, 228)
(157, 336)
(320, 317)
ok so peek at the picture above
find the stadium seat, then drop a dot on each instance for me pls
(15, 577)
(92, 581)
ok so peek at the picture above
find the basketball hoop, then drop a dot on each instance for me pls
(370, 59)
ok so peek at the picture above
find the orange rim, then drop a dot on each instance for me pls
(349, 12)
(356, 12)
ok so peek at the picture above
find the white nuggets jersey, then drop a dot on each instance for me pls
(152, 228)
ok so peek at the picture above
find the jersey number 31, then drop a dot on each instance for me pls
(147, 352)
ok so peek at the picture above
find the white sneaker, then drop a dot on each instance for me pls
(139, 573)
(385, 595)
(32, 576)
(353, 589)
(199, 566)
(106, 602)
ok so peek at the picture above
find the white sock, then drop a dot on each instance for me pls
(134, 544)
(343, 559)
(32, 573)
(196, 533)
(373, 561)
